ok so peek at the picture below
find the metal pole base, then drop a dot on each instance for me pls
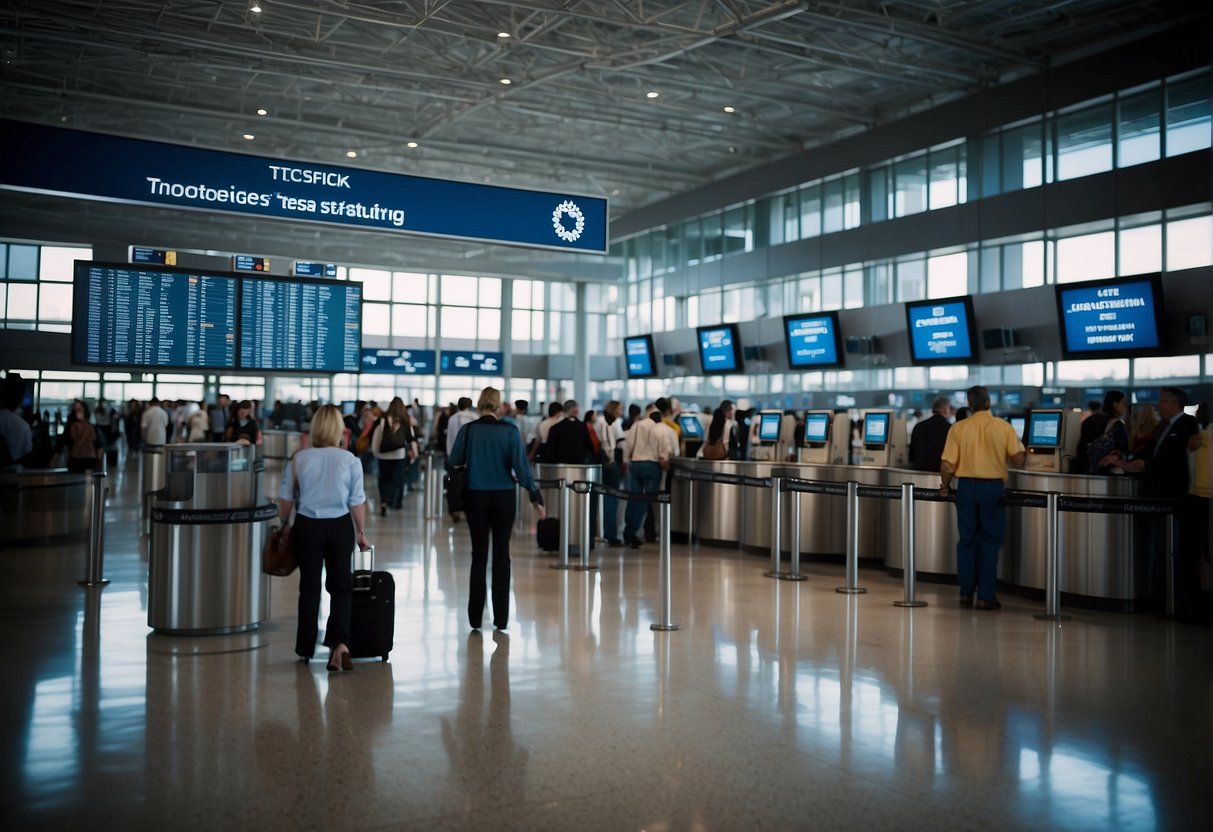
(561, 566)
(1040, 616)
(909, 603)
(851, 590)
(665, 628)
(577, 567)
(102, 582)
(786, 576)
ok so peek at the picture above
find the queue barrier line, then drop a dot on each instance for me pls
(1052, 501)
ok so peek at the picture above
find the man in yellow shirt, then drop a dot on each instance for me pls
(976, 455)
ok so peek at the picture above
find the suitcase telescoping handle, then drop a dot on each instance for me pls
(364, 565)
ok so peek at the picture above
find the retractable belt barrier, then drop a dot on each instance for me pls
(1052, 502)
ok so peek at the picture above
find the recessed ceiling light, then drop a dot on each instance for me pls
(261, 111)
(503, 35)
(352, 154)
(255, 8)
(411, 144)
(615, 192)
(248, 137)
(506, 81)
(651, 94)
(729, 110)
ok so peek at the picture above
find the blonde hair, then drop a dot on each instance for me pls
(327, 427)
(490, 400)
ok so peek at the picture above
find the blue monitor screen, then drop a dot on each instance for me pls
(300, 324)
(941, 331)
(876, 429)
(769, 423)
(398, 362)
(817, 427)
(812, 340)
(1044, 429)
(1018, 423)
(719, 349)
(1108, 318)
(691, 427)
(639, 353)
(153, 317)
(307, 268)
(460, 363)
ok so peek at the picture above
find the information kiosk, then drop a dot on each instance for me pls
(1052, 438)
(693, 433)
(884, 439)
(827, 436)
(775, 432)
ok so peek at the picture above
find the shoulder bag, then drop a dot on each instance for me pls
(455, 483)
(716, 450)
(392, 440)
(278, 556)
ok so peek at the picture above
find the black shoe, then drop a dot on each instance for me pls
(501, 625)
(383, 510)
(988, 605)
(634, 543)
(650, 540)
(614, 541)
(966, 601)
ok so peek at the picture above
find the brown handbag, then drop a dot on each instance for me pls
(716, 450)
(278, 556)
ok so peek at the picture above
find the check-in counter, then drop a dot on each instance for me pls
(1098, 550)
(44, 502)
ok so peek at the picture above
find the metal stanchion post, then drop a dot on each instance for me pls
(1052, 561)
(852, 587)
(663, 574)
(586, 496)
(96, 536)
(1170, 564)
(776, 525)
(564, 527)
(793, 572)
(690, 512)
(908, 555)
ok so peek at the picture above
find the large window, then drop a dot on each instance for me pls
(36, 285)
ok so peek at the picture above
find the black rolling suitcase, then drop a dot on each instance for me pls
(373, 610)
(547, 531)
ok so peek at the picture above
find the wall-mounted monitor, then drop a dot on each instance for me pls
(769, 423)
(942, 331)
(300, 324)
(692, 428)
(155, 317)
(1044, 429)
(814, 341)
(817, 428)
(308, 268)
(720, 349)
(398, 362)
(1018, 423)
(463, 363)
(249, 263)
(151, 256)
(1115, 318)
(639, 356)
(876, 429)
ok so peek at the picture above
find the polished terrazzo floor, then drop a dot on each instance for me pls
(777, 706)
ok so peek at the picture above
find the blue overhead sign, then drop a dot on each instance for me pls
(398, 362)
(459, 363)
(64, 162)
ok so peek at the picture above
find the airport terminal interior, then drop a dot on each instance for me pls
(811, 235)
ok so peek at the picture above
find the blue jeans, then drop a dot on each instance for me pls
(982, 523)
(644, 477)
(610, 505)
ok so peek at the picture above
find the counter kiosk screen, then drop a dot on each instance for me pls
(768, 426)
(1018, 423)
(817, 428)
(813, 340)
(941, 331)
(1119, 318)
(719, 349)
(152, 316)
(638, 350)
(300, 324)
(1044, 429)
(691, 427)
(876, 429)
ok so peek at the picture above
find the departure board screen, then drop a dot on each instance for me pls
(148, 316)
(638, 350)
(941, 331)
(300, 325)
(813, 340)
(1118, 318)
(719, 349)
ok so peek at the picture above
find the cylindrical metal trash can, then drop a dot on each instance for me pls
(152, 470)
(281, 444)
(204, 561)
(46, 502)
(551, 496)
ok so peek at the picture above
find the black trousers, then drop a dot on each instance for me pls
(490, 512)
(327, 543)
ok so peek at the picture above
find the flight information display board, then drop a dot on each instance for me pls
(147, 316)
(638, 350)
(941, 331)
(813, 341)
(300, 325)
(463, 363)
(398, 362)
(719, 349)
(1120, 318)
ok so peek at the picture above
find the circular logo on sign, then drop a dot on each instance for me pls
(570, 210)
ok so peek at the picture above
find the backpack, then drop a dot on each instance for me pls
(392, 440)
(1101, 446)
